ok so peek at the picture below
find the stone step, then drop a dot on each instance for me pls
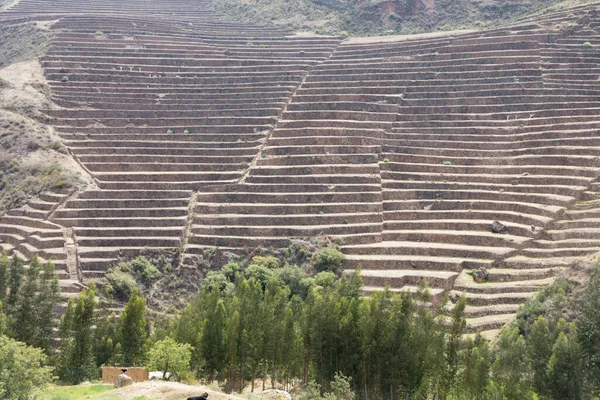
(468, 238)
(473, 312)
(400, 278)
(459, 225)
(412, 262)
(286, 208)
(283, 220)
(176, 231)
(127, 241)
(96, 264)
(524, 262)
(314, 230)
(485, 215)
(466, 205)
(448, 184)
(489, 322)
(240, 196)
(77, 213)
(410, 248)
(436, 294)
(485, 299)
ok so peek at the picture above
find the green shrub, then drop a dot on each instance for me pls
(230, 270)
(297, 253)
(266, 261)
(55, 146)
(328, 259)
(549, 302)
(260, 273)
(119, 283)
(325, 279)
(340, 390)
(145, 269)
(215, 280)
(292, 276)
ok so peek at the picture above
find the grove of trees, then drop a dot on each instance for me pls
(264, 325)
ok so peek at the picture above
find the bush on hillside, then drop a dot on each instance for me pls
(328, 259)
(119, 284)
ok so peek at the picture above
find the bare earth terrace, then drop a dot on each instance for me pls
(200, 132)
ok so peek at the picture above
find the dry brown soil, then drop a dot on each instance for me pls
(159, 390)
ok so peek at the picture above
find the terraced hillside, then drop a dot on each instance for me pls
(201, 132)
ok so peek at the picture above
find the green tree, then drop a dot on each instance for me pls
(454, 342)
(3, 320)
(133, 330)
(588, 329)
(24, 313)
(33, 316)
(170, 357)
(565, 368)
(539, 350)
(47, 299)
(213, 337)
(106, 340)
(4, 276)
(510, 368)
(17, 271)
(22, 369)
(234, 337)
(251, 324)
(474, 375)
(76, 361)
(289, 351)
(424, 371)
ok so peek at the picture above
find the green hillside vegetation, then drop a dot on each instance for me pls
(286, 327)
(375, 17)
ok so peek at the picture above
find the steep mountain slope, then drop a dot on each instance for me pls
(425, 158)
(376, 17)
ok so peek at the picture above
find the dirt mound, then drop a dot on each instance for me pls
(169, 391)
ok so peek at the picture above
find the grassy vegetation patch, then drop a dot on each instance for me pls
(553, 302)
(92, 392)
(20, 183)
(156, 277)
